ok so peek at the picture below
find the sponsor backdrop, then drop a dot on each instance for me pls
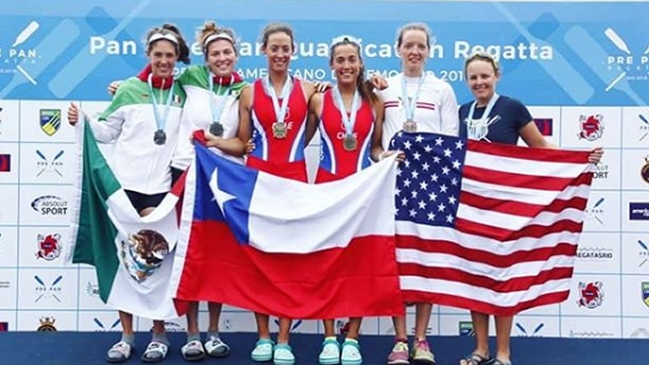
(583, 68)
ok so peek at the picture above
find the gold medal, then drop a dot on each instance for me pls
(280, 130)
(410, 126)
(350, 143)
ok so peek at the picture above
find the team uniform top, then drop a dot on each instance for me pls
(436, 109)
(197, 114)
(335, 161)
(280, 156)
(506, 119)
(140, 164)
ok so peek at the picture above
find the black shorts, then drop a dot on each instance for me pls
(141, 201)
(175, 175)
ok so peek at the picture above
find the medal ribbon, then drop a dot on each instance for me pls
(160, 122)
(348, 120)
(475, 127)
(280, 111)
(410, 105)
(218, 105)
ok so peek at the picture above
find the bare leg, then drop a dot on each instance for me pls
(215, 316)
(192, 318)
(126, 320)
(354, 327)
(284, 330)
(423, 311)
(262, 325)
(503, 334)
(158, 327)
(481, 328)
(329, 330)
(400, 328)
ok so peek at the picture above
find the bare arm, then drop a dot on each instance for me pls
(245, 119)
(532, 136)
(377, 148)
(315, 111)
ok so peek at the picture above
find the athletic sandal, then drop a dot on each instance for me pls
(216, 348)
(155, 352)
(283, 354)
(119, 352)
(330, 354)
(351, 353)
(421, 353)
(263, 350)
(193, 351)
(476, 359)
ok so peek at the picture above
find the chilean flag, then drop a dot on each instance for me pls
(286, 248)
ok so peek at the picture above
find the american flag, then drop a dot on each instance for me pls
(487, 227)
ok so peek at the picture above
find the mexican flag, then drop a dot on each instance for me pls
(132, 255)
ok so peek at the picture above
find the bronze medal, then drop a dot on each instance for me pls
(280, 130)
(350, 143)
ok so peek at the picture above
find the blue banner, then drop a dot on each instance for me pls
(554, 54)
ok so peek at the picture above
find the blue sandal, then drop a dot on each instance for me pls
(330, 354)
(263, 351)
(283, 354)
(351, 353)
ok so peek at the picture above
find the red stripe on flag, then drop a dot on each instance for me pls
(360, 280)
(521, 180)
(506, 286)
(484, 256)
(531, 231)
(526, 153)
(482, 307)
(518, 208)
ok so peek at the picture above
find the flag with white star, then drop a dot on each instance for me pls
(487, 227)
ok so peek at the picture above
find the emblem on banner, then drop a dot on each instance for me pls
(645, 293)
(50, 120)
(47, 324)
(143, 254)
(591, 294)
(49, 247)
(592, 127)
(644, 171)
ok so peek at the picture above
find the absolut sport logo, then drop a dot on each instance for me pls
(50, 205)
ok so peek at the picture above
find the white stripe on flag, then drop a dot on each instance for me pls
(474, 242)
(532, 168)
(479, 294)
(286, 215)
(515, 222)
(518, 270)
(523, 195)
